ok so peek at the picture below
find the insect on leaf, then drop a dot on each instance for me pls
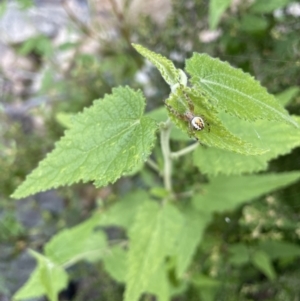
(233, 90)
(215, 133)
(278, 137)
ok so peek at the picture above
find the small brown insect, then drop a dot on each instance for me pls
(196, 122)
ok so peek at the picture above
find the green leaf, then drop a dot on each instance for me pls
(166, 67)
(152, 238)
(207, 286)
(226, 193)
(114, 262)
(33, 288)
(158, 284)
(161, 115)
(286, 96)
(279, 249)
(64, 119)
(253, 23)
(233, 90)
(263, 262)
(122, 213)
(77, 243)
(106, 140)
(189, 237)
(239, 254)
(215, 133)
(47, 279)
(280, 138)
(216, 9)
(260, 6)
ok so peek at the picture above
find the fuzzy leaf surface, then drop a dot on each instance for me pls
(166, 67)
(105, 141)
(47, 279)
(280, 138)
(152, 238)
(233, 90)
(215, 133)
(226, 193)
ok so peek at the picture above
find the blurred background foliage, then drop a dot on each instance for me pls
(55, 66)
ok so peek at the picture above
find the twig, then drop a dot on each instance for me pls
(184, 151)
(153, 165)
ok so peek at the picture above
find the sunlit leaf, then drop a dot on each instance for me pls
(166, 67)
(215, 133)
(105, 141)
(152, 238)
(279, 138)
(236, 92)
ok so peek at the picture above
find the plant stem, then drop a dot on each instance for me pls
(153, 165)
(184, 151)
(165, 146)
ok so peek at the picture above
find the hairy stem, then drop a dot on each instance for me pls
(184, 151)
(153, 165)
(165, 146)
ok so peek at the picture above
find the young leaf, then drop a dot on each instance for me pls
(105, 141)
(166, 68)
(279, 249)
(226, 193)
(233, 90)
(152, 238)
(215, 133)
(85, 243)
(286, 96)
(268, 6)
(280, 138)
(47, 279)
(216, 9)
(263, 262)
